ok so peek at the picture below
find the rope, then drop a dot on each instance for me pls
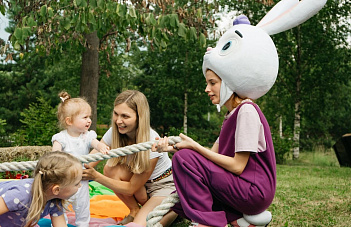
(122, 151)
(154, 217)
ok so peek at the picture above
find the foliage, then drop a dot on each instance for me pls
(39, 124)
(4, 138)
(282, 146)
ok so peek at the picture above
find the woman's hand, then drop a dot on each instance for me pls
(186, 142)
(89, 173)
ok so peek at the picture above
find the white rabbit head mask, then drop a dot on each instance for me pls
(245, 57)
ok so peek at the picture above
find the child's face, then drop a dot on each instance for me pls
(213, 86)
(69, 190)
(82, 121)
(125, 119)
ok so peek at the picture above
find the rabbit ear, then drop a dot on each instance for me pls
(288, 14)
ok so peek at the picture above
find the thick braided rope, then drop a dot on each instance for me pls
(122, 151)
(154, 217)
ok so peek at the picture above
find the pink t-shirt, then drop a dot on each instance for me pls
(249, 134)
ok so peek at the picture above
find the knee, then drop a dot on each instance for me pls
(186, 156)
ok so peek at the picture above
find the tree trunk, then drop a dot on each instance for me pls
(89, 82)
(185, 123)
(297, 120)
(185, 116)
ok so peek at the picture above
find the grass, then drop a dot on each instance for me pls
(311, 191)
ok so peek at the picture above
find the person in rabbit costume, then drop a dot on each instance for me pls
(235, 181)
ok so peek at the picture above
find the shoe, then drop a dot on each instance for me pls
(126, 220)
(194, 224)
(241, 222)
(258, 220)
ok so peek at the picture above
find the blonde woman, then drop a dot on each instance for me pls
(57, 177)
(143, 179)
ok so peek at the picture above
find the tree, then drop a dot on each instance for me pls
(97, 26)
(308, 76)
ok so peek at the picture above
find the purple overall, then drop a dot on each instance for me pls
(213, 196)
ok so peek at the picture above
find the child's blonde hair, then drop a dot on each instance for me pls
(140, 161)
(53, 168)
(69, 108)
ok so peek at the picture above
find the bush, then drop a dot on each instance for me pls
(282, 146)
(39, 124)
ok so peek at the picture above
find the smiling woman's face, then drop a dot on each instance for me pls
(125, 119)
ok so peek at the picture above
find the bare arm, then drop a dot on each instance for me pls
(123, 187)
(94, 151)
(3, 207)
(58, 221)
(100, 146)
(234, 164)
(56, 146)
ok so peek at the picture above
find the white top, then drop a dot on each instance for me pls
(249, 132)
(75, 145)
(163, 163)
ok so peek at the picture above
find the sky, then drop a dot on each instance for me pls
(4, 22)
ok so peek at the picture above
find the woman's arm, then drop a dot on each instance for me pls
(123, 187)
(234, 164)
(3, 207)
(58, 221)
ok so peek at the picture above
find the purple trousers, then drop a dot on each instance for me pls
(211, 195)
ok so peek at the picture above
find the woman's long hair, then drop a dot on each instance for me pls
(53, 168)
(140, 161)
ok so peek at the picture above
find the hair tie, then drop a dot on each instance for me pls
(62, 99)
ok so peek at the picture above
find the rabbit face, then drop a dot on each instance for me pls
(246, 59)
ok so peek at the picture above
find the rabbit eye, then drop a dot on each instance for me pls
(227, 45)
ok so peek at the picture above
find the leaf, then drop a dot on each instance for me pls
(152, 19)
(31, 22)
(26, 31)
(174, 20)
(18, 33)
(193, 34)
(202, 40)
(101, 4)
(199, 13)
(121, 10)
(43, 11)
(93, 3)
(182, 30)
(132, 12)
(17, 46)
(50, 12)
(2, 9)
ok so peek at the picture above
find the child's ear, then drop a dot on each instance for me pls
(68, 121)
(55, 189)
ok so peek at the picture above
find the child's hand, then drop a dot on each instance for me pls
(103, 148)
(161, 145)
